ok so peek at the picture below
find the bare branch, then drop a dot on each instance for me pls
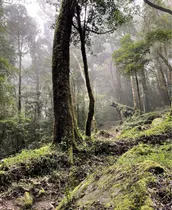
(158, 7)
(75, 26)
(101, 32)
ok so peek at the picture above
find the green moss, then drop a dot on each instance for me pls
(157, 121)
(26, 156)
(41, 192)
(79, 189)
(124, 185)
(2, 173)
(137, 131)
(26, 201)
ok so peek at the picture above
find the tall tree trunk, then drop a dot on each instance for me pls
(64, 127)
(138, 91)
(38, 108)
(170, 73)
(166, 95)
(133, 92)
(20, 81)
(89, 89)
(116, 80)
(79, 65)
(145, 93)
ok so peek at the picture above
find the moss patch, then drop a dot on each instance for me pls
(155, 126)
(31, 163)
(26, 156)
(127, 184)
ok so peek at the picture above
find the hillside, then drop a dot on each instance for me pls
(127, 167)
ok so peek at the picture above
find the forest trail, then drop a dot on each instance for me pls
(130, 170)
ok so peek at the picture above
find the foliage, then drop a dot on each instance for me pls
(6, 89)
(159, 35)
(100, 17)
(131, 55)
(20, 26)
(7, 58)
(18, 133)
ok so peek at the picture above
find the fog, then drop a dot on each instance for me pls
(138, 79)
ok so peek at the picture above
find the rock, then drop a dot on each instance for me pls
(157, 121)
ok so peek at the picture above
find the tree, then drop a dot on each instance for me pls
(65, 130)
(160, 42)
(89, 89)
(7, 59)
(131, 57)
(98, 17)
(20, 28)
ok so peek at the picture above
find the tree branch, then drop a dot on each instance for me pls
(158, 7)
(103, 32)
(75, 26)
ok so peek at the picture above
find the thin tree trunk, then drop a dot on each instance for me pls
(133, 92)
(165, 61)
(89, 89)
(64, 127)
(164, 83)
(145, 93)
(20, 81)
(170, 73)
(38, 111)
(138, 91)
(79, 65)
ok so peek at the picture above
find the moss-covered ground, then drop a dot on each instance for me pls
(127, 168)
(146, 125)
(140, 179)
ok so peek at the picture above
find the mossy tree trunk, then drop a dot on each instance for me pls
(82, 31)
(64, 127)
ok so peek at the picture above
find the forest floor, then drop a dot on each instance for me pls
(127, 167)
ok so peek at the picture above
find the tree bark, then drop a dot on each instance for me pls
(64, 127)
(89, 89)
